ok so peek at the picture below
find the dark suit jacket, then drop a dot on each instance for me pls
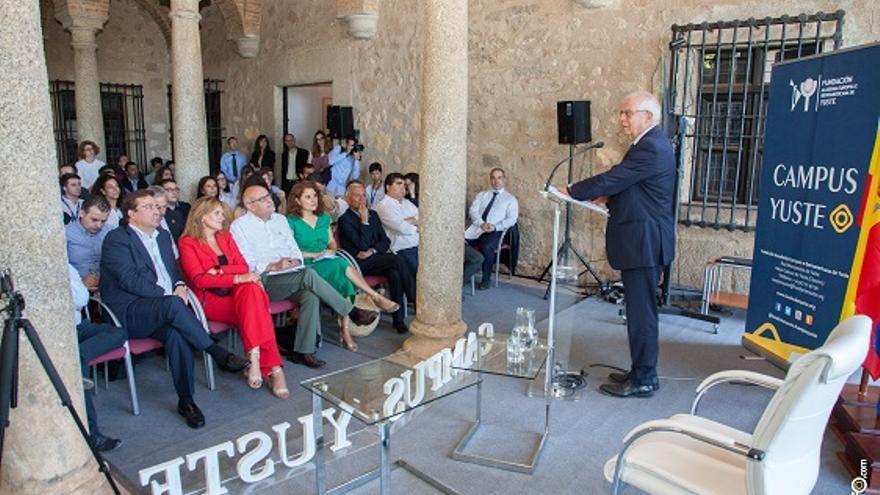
(176, 219)
(355, 237)
(127, 272)
(126, 185)
(302, 156)
(268, 159)
(640, 232)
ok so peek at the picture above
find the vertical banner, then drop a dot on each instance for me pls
(817, 199)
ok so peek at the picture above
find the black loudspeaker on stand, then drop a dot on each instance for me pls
(13, 326)
(340, 121)
(573, 119)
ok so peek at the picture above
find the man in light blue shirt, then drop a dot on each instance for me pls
(233, 161)
(85, 235)
(345, 166)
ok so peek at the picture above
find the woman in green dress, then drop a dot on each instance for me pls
(311, 228)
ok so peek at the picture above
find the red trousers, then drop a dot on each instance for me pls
(247, 308)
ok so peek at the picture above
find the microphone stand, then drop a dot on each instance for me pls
(567, 246)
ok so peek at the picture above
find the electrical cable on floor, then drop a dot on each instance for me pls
(660, 377)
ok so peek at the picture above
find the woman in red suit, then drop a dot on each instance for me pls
(219, 275)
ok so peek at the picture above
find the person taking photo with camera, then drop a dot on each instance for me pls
(345, 165)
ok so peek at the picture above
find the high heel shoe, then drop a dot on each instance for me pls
(385, 304)
(280, 392)
(254, 382)
(343, 333)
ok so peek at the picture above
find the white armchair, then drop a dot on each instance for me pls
(687, 454)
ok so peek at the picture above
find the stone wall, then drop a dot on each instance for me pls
(131, 50)
(525, 55)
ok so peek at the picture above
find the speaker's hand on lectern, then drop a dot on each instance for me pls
(601, 200)
(564, 190)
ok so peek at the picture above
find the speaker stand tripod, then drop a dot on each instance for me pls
(567, 248)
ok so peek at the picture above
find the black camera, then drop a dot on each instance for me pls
(358, 147)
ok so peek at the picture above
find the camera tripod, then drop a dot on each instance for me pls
(13, 326)
(567, 246)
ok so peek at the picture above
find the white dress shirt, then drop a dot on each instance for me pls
(640, 136)
(263, 243)
(503, 215)
(163, 279)
(393, 213)
(79, 293)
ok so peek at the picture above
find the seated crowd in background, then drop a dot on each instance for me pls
(134, 241)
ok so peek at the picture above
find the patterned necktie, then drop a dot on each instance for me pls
(489, 206)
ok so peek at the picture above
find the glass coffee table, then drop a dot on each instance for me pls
(492, 359)
(359, 391)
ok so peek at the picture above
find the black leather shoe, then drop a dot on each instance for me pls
(307, 359)
(400, 327)
(192, 414)
(105, 444)
(233, 363)
(362, 317)
(484, 286)
(624, 377)
(626, 390)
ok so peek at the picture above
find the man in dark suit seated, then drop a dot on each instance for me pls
(178, 211)
(640, 237)
(133, 180)
(362, 235)
(141, 284)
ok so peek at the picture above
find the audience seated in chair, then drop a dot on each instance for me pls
(141, 284)
(229, 292)
(228, 193)
(400, 218)
(162, 204)
(85, 237)
(362, 235)
(376, 189)
(312, 233)
(492, 212)
(94, 340)
(133, 180)
(177, 211)
(71, 201)
(267, 243)
(107, 186)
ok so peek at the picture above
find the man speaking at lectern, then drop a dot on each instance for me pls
(640, 237)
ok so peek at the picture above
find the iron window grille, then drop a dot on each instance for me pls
(122, 111)
(718, 86)
(213, 122)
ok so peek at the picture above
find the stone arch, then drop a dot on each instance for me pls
(242, 17)
(158, 14)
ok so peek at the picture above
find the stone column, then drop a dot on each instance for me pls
(43, 450)
(443, 169)
(188, 97)
(84, 24)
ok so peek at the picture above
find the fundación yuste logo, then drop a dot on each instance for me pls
(827, 91)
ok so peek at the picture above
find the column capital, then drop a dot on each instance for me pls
(362, 17)
(82, 15)
(248, 46)
(593, 4)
